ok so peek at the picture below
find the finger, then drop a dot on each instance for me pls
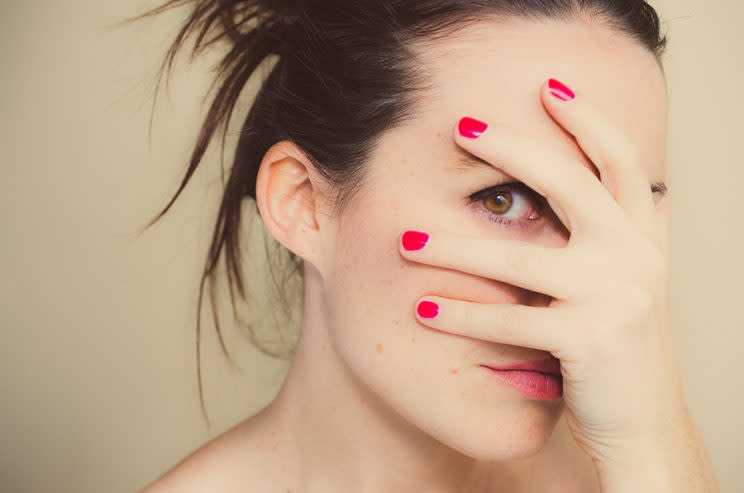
(519, 325)
(613, 153)
(574, 193)
(551, 271)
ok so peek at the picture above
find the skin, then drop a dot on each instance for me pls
(379, 399)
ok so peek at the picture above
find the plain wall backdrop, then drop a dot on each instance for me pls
(97, 323)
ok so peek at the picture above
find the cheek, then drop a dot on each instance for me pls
(371, 308)
(365, 288)
(372, 293)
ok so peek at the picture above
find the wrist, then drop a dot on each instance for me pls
(639, 467)
(671, 459)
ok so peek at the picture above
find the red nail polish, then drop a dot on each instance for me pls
(471, 128)
(414, 240)
(560, 90)
(428, 309)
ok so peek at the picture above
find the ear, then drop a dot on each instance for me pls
(287, 201)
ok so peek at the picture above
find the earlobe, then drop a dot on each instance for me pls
(284, 195)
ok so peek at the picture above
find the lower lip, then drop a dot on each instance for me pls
(533, 384)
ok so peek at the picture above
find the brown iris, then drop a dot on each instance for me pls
(499, 202)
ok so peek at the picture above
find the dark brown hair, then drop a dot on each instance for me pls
(345, 73)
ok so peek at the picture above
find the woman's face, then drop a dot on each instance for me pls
(493, 72)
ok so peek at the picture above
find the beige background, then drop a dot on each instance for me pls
(98, 368)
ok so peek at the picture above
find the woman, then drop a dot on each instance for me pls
(468, 187)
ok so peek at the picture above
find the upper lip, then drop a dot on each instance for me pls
(550, 365)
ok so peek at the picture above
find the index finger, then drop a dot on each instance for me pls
(576, 196)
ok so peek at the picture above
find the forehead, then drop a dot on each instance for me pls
(493, 70)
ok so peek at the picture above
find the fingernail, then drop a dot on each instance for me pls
(471, 128)
(560, 90)
(428, 309)
(414, 240)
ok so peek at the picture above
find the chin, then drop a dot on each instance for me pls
(502, 436)
(514, 446)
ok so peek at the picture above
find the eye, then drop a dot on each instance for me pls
(514, 205)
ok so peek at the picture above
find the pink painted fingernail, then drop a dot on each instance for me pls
(414, 240)
(471, 128)
(428, 309)
(560, 90)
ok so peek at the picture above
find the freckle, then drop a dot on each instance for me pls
(379, 348)
(454, 371)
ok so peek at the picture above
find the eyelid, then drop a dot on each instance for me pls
(517, 185)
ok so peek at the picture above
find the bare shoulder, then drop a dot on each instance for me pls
(205, 469)
(229, 462)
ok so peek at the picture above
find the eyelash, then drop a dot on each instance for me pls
(658, 186)
(515, 186)
(539, 200)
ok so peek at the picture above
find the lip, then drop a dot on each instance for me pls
(549, 365)
(533, 384)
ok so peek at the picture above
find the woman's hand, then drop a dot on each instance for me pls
(609, 321)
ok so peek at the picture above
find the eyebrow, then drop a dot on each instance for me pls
(465, 162)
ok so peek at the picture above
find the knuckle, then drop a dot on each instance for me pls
(507, 315)
(506, 319)
(517, 262)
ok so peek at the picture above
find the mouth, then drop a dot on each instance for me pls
(533, 384)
